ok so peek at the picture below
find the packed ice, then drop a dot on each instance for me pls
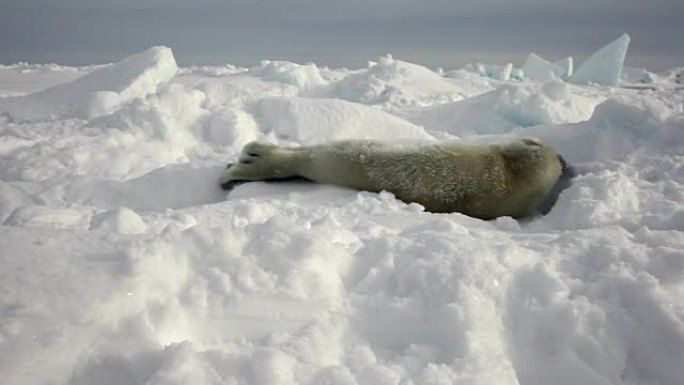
(605, 66)
(122, 261)
(539, 69)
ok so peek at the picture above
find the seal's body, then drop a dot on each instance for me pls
(480, 180)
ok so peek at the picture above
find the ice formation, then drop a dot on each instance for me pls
(567, 66)
(539, 69)
(506, 72)
(605, 65)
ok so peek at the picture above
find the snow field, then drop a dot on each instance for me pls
(123, 263)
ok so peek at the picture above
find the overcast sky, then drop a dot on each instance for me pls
(447, 33)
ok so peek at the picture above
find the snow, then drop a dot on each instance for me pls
(17, 80)
(398, 83)
(122, 262)
(100, 92)
(305, 77)
(505, 109)
(604, 66)
(305, 120)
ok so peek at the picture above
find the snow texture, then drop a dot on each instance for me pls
(122, 262)
(505, 109)
(305, 77)
(100, 92)
(397, 83)
(305, 120)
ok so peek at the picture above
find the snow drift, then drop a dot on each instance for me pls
(395, 82)
(318, 120)
(100, 92)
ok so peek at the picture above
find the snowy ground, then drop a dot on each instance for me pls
(122, 262)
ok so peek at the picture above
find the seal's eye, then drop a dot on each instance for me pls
(229, 166)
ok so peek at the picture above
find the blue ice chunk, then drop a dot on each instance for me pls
(540, 69)
(605, 66)
(567, 66)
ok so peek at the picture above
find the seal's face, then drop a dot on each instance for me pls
(525, 154)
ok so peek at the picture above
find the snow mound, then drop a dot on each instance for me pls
(552, 102)
(309, 121)
(306, 77)
(237, 90)
(398, 83)
(622, 127)
(157, 190)
(505, 109)
(100, 92)
(649, 125)
(605, 65)
(212, 71)
(173, 113)
(231, 126)
(122, 220)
